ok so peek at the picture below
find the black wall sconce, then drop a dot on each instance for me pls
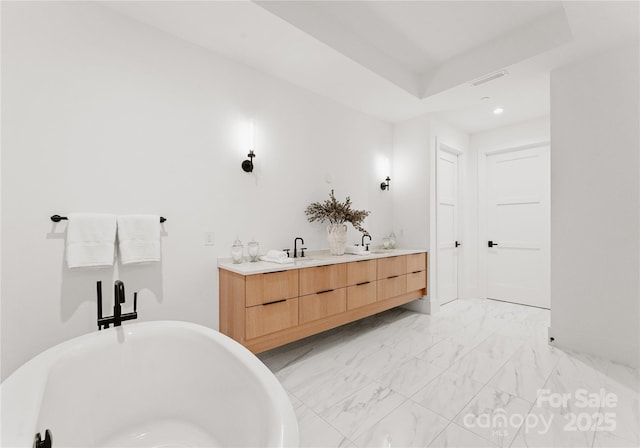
(385, 185)
(247, 165)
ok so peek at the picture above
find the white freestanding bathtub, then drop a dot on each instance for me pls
(154, 384)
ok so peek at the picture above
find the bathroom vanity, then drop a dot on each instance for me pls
(264, 305)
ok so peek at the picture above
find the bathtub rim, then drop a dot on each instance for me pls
(28, 382)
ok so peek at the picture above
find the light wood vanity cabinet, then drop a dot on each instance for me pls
(392, 279)
(322, 304)
(361, 278)
(322, 278)
(267, 288)
(361, 294)
(269, 318)
(263, 311)
(392, 266)
(416, 262)
(361, 272)
(392, 286)
(416, 272)
(322, 292)
(271, 302)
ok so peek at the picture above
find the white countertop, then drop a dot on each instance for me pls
(311, 259)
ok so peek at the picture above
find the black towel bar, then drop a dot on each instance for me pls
(58, 218)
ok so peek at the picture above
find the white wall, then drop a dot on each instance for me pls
(595, 241)
(410, 181)
(530, 132)
(103, 114)
(526, 133)
(414, 166)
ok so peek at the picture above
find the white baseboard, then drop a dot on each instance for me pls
(620, 351)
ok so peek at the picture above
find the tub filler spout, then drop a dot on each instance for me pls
(118, 299)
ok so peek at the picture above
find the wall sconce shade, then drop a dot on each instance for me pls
(247, 165)
(385, 185)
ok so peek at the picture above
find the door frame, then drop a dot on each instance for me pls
(482, 209)
(441, 146)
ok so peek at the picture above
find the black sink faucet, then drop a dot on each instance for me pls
(118, 298)
(295, 247)
(367, 236)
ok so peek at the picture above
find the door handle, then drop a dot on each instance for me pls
(458, 243)
(491, 243)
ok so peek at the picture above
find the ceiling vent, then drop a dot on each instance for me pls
(488, 78)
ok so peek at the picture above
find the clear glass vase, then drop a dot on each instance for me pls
(253, 248)
(237, 251)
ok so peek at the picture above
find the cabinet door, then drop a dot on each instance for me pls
(317, 306)
(416, 262)
(361, 271)
(416, 281)
(322, 278)
(362, 294)
(392, 266)
(266, 288)
(270, 317)
(392, 286)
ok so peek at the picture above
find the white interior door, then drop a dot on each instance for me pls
(447, 226)
(518, 226)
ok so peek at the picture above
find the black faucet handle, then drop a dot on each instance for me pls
(302, 249)
(287, 251)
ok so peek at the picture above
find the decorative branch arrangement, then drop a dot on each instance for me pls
(336, 212)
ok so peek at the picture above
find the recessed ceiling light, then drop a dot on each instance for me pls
(498, 110)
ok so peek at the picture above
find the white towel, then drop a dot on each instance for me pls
(277, 260)
(139, 238)
(90, 239)
(276, 254)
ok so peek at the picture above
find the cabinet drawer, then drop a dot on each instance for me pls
(416, 281)
(361, 271)
(416, 262)
(270, 317)
(322, 278)
(266, 288)
(317, 306)
(392, 266)
(391, 287)
(360, 295)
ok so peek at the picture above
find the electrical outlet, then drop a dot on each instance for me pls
(208, 239)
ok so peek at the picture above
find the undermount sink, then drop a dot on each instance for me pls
(356, 250)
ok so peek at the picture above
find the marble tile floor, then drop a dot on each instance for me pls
(479, 373)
